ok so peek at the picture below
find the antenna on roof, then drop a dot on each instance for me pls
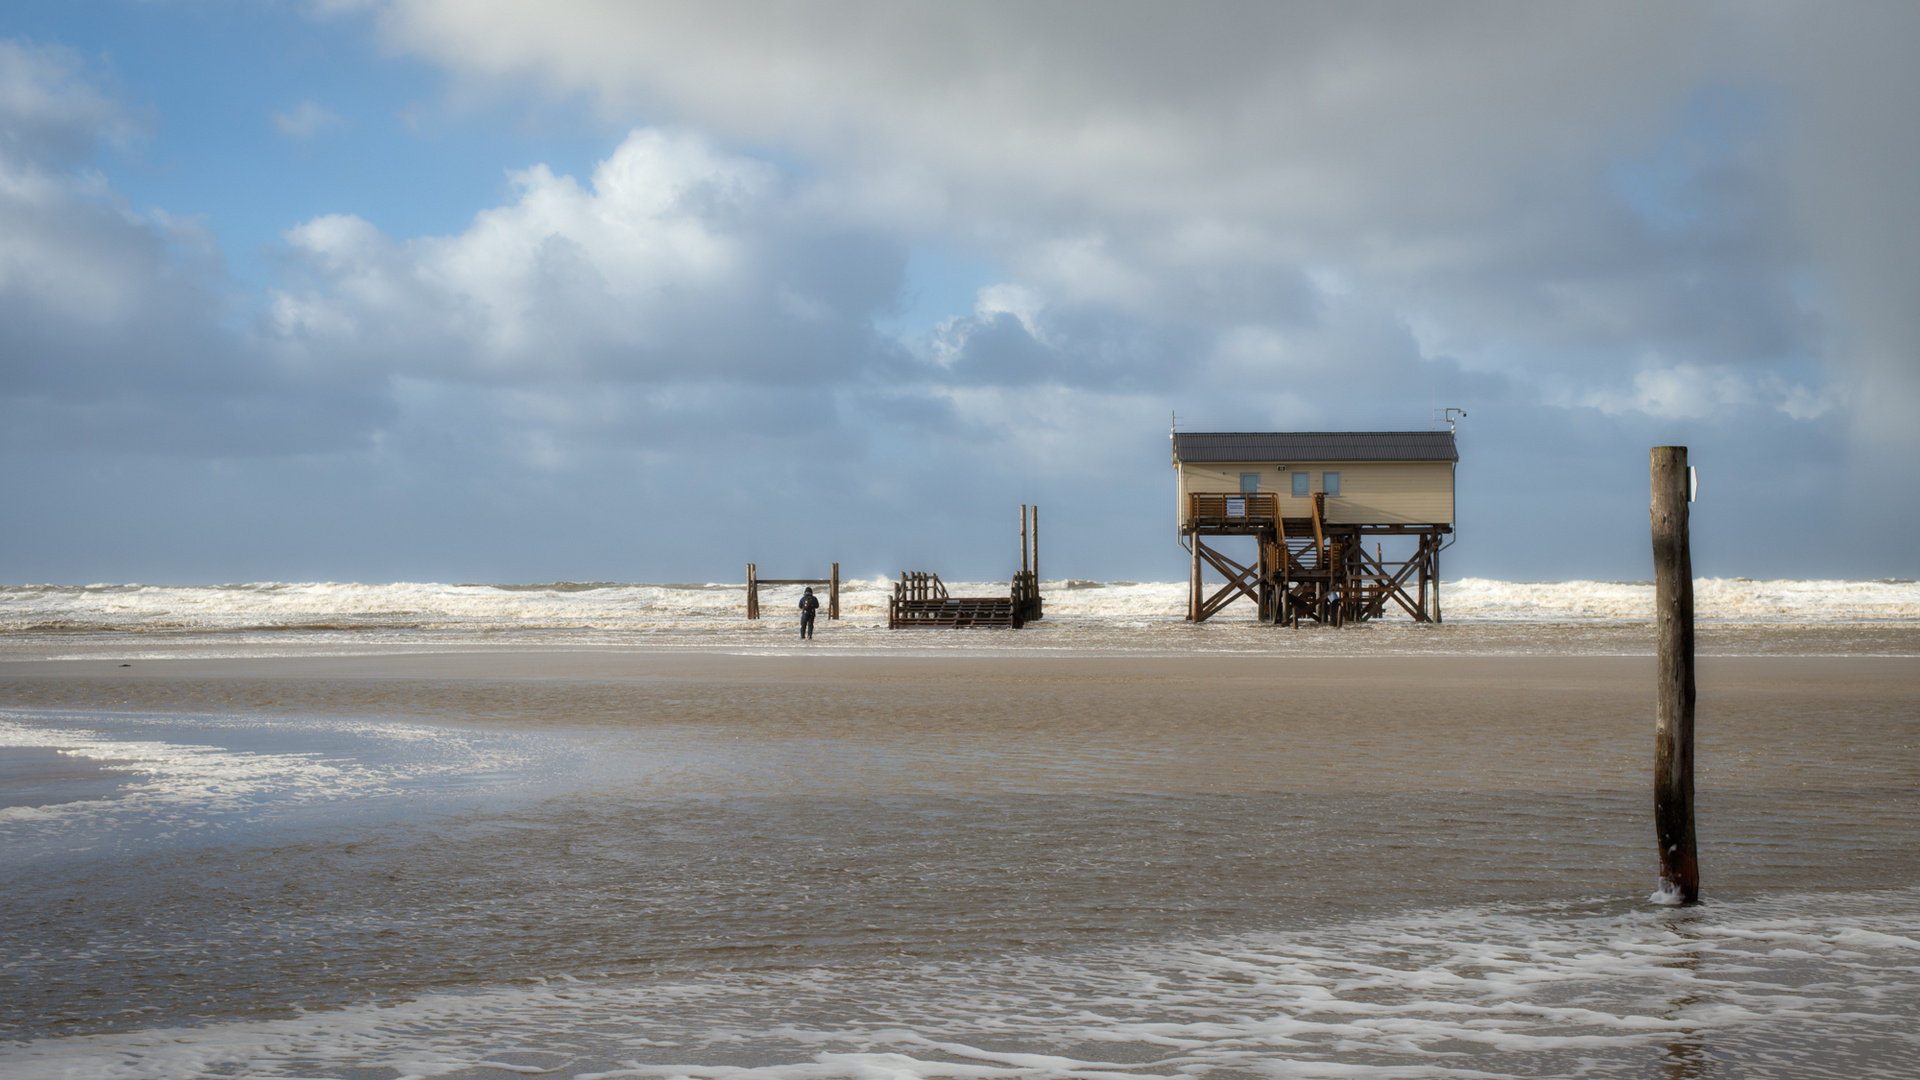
(1173, 424)
(1449, 417)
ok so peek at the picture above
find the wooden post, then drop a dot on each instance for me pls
(1193, 584)
(1023, 538)
(1284, 608)
(1425, 614)
(1319, 538)
(1264, 591)
(833, 593)
(1436, 581)
(753, 593)
(1036, 549)
(1673, 679)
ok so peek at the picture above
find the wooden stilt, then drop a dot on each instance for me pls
(1673, 677)
(1263, 598)
(833, 593)
(1193, 584)
(1425, 615)
(753, 593)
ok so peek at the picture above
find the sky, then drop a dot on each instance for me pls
(583, 290)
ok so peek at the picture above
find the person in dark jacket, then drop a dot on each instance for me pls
(809, 604)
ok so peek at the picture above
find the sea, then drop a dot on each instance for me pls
(1082, 616)
(978, 855)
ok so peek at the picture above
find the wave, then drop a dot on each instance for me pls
(612, 606)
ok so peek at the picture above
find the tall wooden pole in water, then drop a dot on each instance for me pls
(1023, 538)
(1673, 678)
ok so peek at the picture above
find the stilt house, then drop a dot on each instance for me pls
(1314, 502)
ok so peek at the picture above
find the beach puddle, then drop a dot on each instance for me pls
(37, 776)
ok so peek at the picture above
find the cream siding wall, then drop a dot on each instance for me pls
(1371, 492)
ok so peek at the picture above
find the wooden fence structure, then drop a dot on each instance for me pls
(754, 581)
(920, 599)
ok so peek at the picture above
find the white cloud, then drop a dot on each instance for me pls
(1273, 215)
(669, 264)
(305, 120)
(1016, 300)
(1690, 392)
(1682, 392)
(1451, 165)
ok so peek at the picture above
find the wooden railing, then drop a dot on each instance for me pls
(919, 585)
(1233, 505)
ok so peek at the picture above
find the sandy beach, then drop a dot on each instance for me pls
(1043, 723)
(360, 831)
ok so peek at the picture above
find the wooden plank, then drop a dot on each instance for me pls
(1673, 677)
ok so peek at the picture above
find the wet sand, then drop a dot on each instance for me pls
(1170, 724)
(631, 818)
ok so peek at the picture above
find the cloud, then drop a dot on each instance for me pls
(1689, 392)
(1497, 175)
(676, 263)
(52, 112)
(113, 323)
(1594, 226)
(305, 120)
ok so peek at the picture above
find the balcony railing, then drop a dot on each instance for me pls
(1231, 505)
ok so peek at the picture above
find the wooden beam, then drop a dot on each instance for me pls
(1392, 586)
(1240, 580)
(753, 594)
(1319, 538)
(833, 593)
(1673, 678)
(1423, 578)
(1193, 584)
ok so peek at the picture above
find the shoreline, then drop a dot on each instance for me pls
(1058, 638)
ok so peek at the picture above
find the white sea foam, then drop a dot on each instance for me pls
(665, 609)
(1805, 986)
(189, 781)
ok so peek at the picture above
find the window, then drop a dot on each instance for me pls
(1330, 483)
(1300, 485)
(1249, 483)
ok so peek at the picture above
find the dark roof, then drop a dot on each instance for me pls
(1282, 446)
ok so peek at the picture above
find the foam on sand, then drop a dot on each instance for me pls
(1803, 986)
(197, 773)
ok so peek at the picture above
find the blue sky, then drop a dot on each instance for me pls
(405, 289)
(252, 117)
